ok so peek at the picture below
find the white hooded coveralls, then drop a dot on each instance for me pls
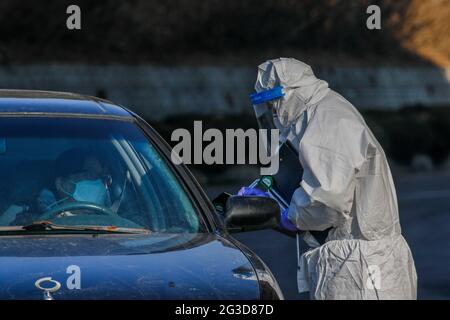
(346, 185)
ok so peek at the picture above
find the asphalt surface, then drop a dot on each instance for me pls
(424, 202)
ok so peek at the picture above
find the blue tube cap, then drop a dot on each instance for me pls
(267, 95)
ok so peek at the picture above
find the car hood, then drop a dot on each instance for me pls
(156, 266)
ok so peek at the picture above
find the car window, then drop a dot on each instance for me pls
(74, 171)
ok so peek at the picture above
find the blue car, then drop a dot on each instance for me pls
(92, 207)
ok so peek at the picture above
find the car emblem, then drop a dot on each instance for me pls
(47, 290)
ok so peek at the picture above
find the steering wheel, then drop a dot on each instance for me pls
(96, 208)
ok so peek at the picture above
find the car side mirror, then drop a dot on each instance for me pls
(251, 213)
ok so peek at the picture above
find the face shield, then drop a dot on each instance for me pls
(263, 105)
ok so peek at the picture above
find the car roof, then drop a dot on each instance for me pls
(51, 102)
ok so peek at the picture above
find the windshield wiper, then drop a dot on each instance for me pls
(38, 226)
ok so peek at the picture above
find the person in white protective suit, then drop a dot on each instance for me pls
(346, 185)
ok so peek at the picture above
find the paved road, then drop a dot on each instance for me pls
(424, 202)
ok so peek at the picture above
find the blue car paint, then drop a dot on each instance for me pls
(29, 101)
(184, 266)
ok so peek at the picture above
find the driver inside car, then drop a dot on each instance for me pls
(80, 177)
(91, 185)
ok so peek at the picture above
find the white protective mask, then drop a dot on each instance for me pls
(90, 191)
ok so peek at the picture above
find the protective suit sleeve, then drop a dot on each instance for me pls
(311, 215)
(331, 152)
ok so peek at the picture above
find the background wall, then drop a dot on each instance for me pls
(156, 92)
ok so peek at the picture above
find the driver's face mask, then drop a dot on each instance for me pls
(93, 191)
(90, 191)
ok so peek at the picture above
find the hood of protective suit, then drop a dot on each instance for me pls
(300, 85)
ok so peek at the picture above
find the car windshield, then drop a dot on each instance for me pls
(88, 172)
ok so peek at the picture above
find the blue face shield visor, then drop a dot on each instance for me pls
(267, 95)
(262, 105)
(262, 101)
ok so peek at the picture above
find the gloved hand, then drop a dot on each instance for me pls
(246, 191)
(285, 223)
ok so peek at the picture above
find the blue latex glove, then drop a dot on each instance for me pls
(246, 191)
(285, 223)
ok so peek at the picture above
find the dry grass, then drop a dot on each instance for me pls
(426, 30)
